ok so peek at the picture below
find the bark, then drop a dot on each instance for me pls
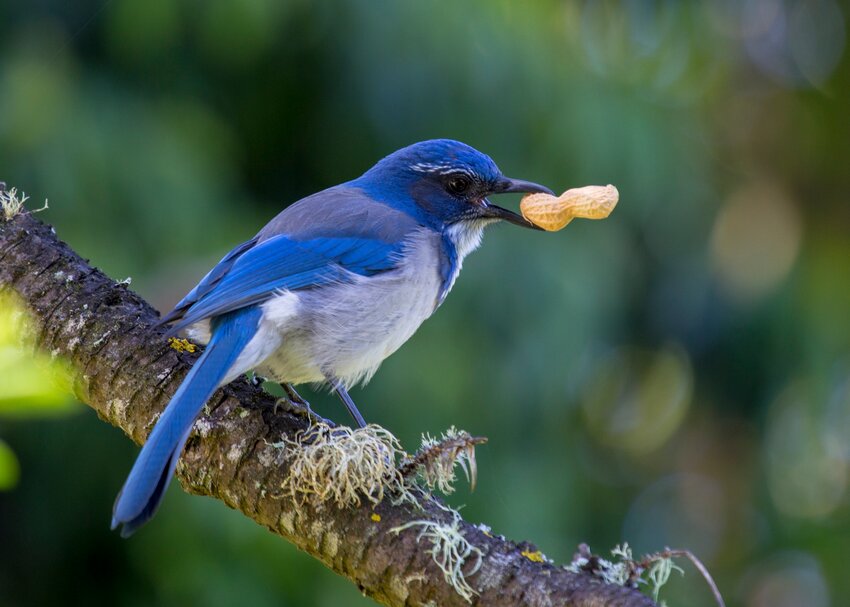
(127, 373)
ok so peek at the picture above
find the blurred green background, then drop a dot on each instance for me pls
(675, 375)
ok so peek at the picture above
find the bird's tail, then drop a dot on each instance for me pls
(143, 490)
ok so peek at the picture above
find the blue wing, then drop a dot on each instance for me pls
(278, 264)
(324, 238)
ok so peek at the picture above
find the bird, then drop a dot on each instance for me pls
(327, 290)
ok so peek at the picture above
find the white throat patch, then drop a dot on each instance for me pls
(466, 237)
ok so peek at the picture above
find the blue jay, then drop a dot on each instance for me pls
(326, 291)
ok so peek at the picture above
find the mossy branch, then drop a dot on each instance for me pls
(127, 371)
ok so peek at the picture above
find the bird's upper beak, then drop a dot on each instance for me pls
(505, 186)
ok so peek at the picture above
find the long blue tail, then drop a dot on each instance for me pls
(143, 490)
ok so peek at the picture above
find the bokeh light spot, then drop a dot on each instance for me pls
(816, 38)
(790, 579)
(678, 510)
(755, 241)
(10, 469)
(32, 383)
(806, 477)
(636, 399)
(795, 42)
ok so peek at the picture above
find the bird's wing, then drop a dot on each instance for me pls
(321, 239)
(282, 264)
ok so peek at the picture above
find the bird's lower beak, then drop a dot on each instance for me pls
(506, 186)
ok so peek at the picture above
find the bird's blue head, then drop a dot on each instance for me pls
(447, 181)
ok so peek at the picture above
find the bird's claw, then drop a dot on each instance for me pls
(301, 409)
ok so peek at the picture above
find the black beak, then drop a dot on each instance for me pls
(505, 186)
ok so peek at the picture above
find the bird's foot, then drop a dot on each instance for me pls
(294, 403)
(301, 410)
(258, 380)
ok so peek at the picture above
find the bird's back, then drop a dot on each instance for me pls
(341, 210)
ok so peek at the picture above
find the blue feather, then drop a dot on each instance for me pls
(281, 263)
(142, 492)
(448, 266)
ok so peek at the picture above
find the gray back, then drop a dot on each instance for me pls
(340, 211)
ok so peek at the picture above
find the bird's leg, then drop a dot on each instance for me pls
(258, 380)
(294, 397)
(295, 403)
(346, 400)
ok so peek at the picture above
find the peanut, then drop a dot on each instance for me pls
(553, 213)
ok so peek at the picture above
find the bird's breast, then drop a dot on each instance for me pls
(347, 329)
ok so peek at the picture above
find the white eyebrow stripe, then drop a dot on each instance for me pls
(441, 169)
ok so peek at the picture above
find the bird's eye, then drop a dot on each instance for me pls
(458, 184)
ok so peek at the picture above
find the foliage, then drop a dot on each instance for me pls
(34, 385)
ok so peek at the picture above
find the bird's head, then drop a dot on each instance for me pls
(449, 182)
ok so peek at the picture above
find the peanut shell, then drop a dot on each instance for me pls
(553, 213)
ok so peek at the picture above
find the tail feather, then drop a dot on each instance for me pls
(146, 484)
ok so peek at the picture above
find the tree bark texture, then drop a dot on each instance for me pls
(127, 372)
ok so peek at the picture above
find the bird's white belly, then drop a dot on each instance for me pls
(346, 330)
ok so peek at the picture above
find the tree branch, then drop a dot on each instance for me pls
(127, 373)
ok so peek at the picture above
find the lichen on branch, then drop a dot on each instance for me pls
(11, 202)
(451, 551)
(342, 465)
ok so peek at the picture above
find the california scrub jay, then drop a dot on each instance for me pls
(326, 290)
